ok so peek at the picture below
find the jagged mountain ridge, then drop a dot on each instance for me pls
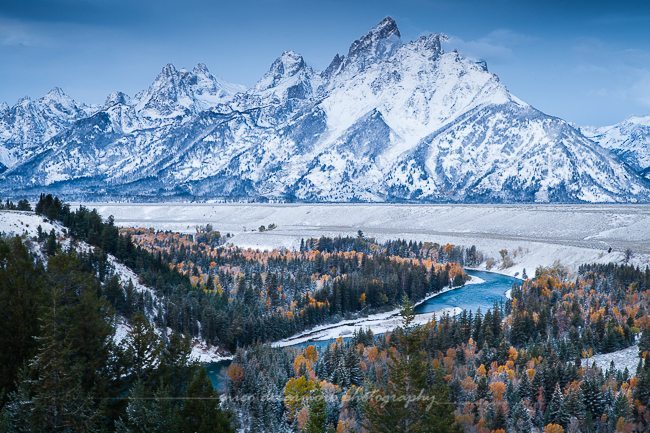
(388, 121)
(629, 140)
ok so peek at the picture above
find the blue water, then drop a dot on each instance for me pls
(473, 296)
(470, 297)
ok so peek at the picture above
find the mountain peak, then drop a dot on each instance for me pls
(56, 92)
(24, 101)
(385, 28)
(430, 43)
(288, 65)
(169, 69)
(201, 69)
(291, 60)
(640, 120)
(116, 98)
(58, 96)
(379, 42)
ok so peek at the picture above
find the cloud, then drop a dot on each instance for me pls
(626, 72)
(496, 46)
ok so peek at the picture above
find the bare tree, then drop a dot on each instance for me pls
(628, 254)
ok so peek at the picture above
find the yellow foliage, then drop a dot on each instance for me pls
(296, 391)
(553, 428)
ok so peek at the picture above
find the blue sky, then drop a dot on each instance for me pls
(585, 61)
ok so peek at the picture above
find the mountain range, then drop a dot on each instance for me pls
(390, 121)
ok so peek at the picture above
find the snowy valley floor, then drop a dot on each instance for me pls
(533, 234)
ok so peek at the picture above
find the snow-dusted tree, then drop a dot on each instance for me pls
(556, 411)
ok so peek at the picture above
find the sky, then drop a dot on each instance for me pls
(585, 61)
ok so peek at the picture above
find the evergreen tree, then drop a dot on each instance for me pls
(556, 411)
(621, 408)
(149, 412)
(525, 388)
(574, 404)
(22, 293)
(499, 418)
(642, 392)
(592, 397)
(316, 423)
(142, 348)
(408, 403)
(50, 396)
(520, 420)
(201, 412)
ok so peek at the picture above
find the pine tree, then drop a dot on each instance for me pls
(149, 412)
(22, 293)
(574, 404)
(317, 413)
(408, 403)
(142, 347)
(50, 396)
(520, 420)
(51, 245)
(201, 412)
(525, 388)
(114, 294)
(499, 418)
(621, 407)
(642, 391)
(592, 397)
(482, 389)
(352, 363)
(556, 411)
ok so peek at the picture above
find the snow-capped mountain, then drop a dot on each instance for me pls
(176, 93)
(629, 139)
(388, 121)
(29, 123)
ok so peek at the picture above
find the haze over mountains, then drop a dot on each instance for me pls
(389, 121)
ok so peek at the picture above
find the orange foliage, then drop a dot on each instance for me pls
(498, 389)
(235, 372)
(553, 428)
(311, 353)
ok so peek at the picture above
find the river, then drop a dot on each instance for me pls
(471, 297)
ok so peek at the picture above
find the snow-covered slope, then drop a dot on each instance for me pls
(26, 224)
(629, 139)
(389, 121)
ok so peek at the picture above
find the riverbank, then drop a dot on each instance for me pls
(381, 322)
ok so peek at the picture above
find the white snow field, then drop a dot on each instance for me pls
(533, 234)
(625, 358)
